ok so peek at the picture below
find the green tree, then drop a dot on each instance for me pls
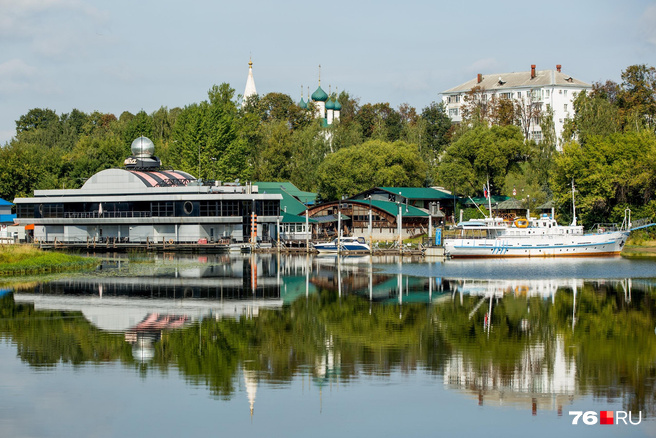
(480, 153)
(373, 163)
(637, 98)
(610, 173)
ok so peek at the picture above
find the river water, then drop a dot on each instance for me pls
(296, 346)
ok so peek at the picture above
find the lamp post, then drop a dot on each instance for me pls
(400, 228)
(370, 226)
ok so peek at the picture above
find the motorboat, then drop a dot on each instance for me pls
(352, 244)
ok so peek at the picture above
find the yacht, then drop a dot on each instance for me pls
(343, 244)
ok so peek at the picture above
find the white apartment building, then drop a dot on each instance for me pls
(541, 89)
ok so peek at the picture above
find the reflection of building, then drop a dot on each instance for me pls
(542, 377)
(144, 203)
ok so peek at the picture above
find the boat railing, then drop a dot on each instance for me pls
(604, 228)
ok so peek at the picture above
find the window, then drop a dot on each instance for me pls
(536, 94)
(546, 94)
(453, 112)
(565, 92)
(454, 99)
(230, 208)
(161, 209)
(536, 135)
(25, 210)
(565, 107)
(519, 94)
(53, 210)
(270, 208)
(210, 208)
(506, 95)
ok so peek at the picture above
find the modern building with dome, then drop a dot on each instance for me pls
(146, 203)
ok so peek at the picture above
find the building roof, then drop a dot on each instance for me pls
(250, 90)
(290, 203)
(288, 218)
(496, 199)
(522, 79)
(393, 208)
(7, 218)
(511, 204)
(306, 198)
(319, 95)
(4, 203)
(136, 179)
(418, 192)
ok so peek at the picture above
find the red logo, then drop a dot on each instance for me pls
(606, 417)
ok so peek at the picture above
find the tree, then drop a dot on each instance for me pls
(36, 118)
(610, 173)
(481, 153)
(437, 127)
(637, 98)
(594, 115)
(528, 112)
(373, 163)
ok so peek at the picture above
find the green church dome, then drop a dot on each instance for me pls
(330, 104)
(319, 95)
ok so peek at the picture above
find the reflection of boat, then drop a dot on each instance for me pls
(541, 237)
(344, 244)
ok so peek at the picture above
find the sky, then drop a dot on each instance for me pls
(119, 55)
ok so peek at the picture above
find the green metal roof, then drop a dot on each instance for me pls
(511, 204)
(418, 192)
(393, 208)
(292, 198)
(288, 218)
(496, 199)
(319, 95)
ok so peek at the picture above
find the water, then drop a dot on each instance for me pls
(326, 346)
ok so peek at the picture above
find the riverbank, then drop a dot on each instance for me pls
(27, 259)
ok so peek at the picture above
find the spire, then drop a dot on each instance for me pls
(250, 83)
(320, 75)
(302, 103)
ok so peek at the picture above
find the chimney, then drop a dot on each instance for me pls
(558, 67)
(532, 71)
(480, 78)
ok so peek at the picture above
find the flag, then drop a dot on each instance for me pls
(485, 192)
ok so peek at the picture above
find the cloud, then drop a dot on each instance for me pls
(15, 76)
(648, 24)
(49, 27)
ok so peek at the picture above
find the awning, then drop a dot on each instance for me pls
(29, 227)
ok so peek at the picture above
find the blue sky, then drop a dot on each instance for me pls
(119, 55)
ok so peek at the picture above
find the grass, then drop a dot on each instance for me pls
(26, 259)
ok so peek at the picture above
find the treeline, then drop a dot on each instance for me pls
(270, 138)
(608, 147)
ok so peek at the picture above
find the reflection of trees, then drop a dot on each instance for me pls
(610, 344)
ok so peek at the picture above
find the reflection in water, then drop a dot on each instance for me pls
(538, 343)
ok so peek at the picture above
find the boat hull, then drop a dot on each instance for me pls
(586, 245)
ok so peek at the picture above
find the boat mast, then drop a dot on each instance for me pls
(573, 205)
(489, 197)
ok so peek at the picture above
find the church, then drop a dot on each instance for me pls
(326, 107)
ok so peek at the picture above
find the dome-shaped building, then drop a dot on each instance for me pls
(144, 204)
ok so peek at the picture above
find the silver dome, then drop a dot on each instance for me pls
(142, 147)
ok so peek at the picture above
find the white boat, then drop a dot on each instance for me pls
(541, 237)
(344, 244)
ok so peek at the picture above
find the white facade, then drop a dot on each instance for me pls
(543, 89)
